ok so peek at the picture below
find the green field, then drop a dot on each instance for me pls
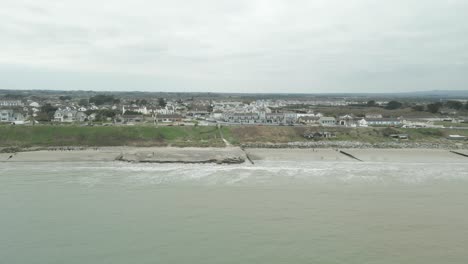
(263, 134)
(197, 136)
(28, 136)
(450, 124)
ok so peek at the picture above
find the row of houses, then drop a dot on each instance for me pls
(263, 117)
(163, 118)
(349, 121)
(260, 118)
(71, 116)
(305, 119)
(11, 103)
(11, 116)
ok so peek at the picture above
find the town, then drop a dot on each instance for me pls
(109, 109)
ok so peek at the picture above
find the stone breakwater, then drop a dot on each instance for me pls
(360, 145)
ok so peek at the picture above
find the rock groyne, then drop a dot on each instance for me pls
(231, 155)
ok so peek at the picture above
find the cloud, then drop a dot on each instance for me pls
(245, 45)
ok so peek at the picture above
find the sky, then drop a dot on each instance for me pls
(258, 46)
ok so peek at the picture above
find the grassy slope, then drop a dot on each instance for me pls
(450, 124)
(24, 136)
(250, 134)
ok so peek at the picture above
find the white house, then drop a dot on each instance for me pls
(10, 116)
(327, 121)
(363, 123)
(9, 103)
(34, 104)
(383, 121)
(69, 116)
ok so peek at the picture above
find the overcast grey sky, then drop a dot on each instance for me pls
(234, 46)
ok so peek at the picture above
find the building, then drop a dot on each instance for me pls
(362, 123)
(10, 103)
(348, 121)
(260, 118)
(10, 116)
(327, 121)
(373, 115)
(383, 121)
(69, 116)
(290, 118)
(34, 104)
(169, 118)
(309, 120)
(133, 108)
(273, 118)
(243, 118)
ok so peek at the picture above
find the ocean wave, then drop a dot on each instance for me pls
(262, 173)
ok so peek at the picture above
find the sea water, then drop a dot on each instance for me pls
(270, 212)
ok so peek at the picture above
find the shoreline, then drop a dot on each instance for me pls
(235, 155)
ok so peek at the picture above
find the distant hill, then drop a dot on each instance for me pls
(432, 95)
(438, 93)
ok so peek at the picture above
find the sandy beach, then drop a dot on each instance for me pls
(361, 155)
(130, 154)
(235, 155)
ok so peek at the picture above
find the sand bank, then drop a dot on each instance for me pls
(236, 155)
(148, 155)
(366, 155)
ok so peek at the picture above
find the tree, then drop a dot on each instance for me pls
(107, 113)
(392, 105)
(101, 99)
(457, 105)
(102, 115)
(418, 108)
(162, 102)
(434, 107)
(83, 102)
(466, 106)
(13, 96)
(65, 98)
(42, 117)
(140, 102)
(47, 112)
(129, 112)
(371, 103)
